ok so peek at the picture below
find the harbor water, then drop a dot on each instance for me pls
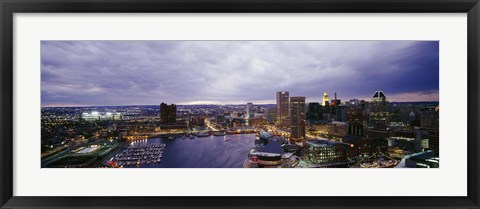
(229, 151)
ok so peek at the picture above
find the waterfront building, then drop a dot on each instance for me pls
(270, 152)
(93, 116)
(283, 108)
(250, 111)
(220, 119)
(298, 117)
(271, 114)
(168, 113)
(255, 122)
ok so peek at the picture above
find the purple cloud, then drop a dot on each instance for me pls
(150, 72)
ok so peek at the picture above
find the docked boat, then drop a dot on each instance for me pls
(203, 134)
(220, 133)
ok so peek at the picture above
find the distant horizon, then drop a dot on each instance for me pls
(209, 104)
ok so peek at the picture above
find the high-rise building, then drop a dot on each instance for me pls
(168, 113)
(314, 113)
(271, 114)
(325, 98)
(341, 113)
(282, 108)
(429, 117)
(298, 117)
(250, 111)
(335, 103)
(378, 108)
(355, 121)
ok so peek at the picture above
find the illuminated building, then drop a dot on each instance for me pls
(323, 151)
(378, 108)
(355, 122)
(269, 153)
(94, 116)
(282, 108)
(298, 117)
(325, 99)
(168, 113)
(271, 114)
(257, 122)
(334, 130)
(335, 102)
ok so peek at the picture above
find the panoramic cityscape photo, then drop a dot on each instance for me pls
(240, 104)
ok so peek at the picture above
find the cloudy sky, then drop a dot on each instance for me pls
(83, 73)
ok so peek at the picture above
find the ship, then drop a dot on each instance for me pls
(203, 134)
(219, 133)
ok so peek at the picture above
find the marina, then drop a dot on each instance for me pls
(210, 151)
(138, 154)
(204, 151)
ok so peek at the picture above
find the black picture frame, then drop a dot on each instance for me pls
(10, 7)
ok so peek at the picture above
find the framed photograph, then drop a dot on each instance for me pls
(193, 104)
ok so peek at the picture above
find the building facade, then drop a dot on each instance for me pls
(378, 108)
(168, 113)
(355, 121)
(250, 111)
(298, 117)
(325, 99)
(282, 108)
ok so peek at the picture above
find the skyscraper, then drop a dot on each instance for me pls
(335, 103)
(271, 115)
(282, 108)
(314, 113)
(325, 98)
(379, 110)
(168, 113)
(250, 111)
(298, 117)
(355, 121)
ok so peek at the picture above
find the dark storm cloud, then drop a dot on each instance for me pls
(150, 72)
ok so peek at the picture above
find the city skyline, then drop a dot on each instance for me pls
(110, 73)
